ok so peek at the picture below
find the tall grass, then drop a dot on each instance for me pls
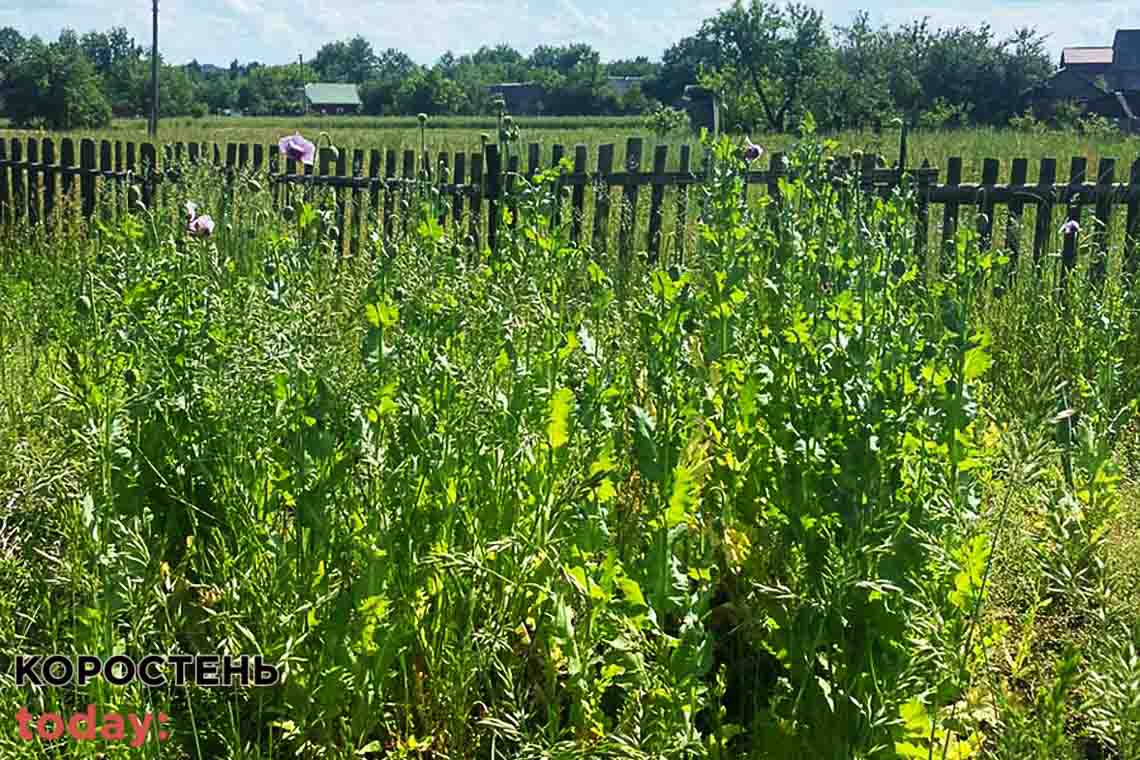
(782, 496)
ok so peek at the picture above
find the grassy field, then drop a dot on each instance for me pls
(785, 495)
(463, 134)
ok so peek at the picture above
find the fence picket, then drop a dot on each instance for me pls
(374, 186)
(494, 175)
(87, 178)
(357, 202)
(19, 197)
(459, 178)
(602, 197)
(148, 160)
(5, 202)
(1106, 177)
(106, 166)
(628, 216)
(33, 160)
(990, 169)
(409, 188)
(476, 216)
(1017, 177)
(1132, 224)
(512, 185)
(556, 155)
(1047, 176)
(389, 190)
(656, 197)
(950, 209)
(578, 196)
(1069, 246)
(680, 234)
(50, 171)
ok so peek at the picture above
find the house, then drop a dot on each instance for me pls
(524, 98)
(326, 98)
(1104, 80)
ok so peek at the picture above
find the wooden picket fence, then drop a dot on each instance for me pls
(475, 185)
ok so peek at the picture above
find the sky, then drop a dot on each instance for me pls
(276, 31)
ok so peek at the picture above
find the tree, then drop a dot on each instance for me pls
(775, 55)
(56, 86)
(352, 61)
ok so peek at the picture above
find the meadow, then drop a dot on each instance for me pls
(453, 133)
(787, 493)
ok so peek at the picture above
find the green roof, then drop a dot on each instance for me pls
(326, 94)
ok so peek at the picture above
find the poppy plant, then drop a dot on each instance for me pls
(751, 151)
(297, 148)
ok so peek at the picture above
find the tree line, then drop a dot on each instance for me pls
(771, 65)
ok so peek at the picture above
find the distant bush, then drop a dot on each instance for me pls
(665, 120)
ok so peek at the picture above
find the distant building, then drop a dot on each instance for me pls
(1105, 80)
(327, 98)
(523, 98)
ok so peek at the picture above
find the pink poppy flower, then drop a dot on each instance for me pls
(751, 151)
(297, 148)
(201, 226)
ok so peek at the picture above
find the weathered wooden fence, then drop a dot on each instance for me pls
(33, 178)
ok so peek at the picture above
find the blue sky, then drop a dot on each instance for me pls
(275, 31)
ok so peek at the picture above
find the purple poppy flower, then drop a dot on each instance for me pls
(297, 148)
(201, 226)
(1070, 228)
(751, 151)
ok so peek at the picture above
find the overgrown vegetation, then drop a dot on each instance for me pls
(788, 495)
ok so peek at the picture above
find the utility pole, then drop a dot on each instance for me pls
(301, 78)
(154, 75)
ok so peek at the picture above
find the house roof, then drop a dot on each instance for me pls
(324, 93)
(1084, 55)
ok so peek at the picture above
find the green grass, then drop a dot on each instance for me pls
(781, 495)
(453, 134)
